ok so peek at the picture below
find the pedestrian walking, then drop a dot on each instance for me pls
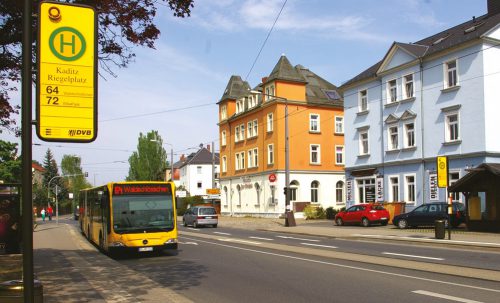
(50, 212)
(43, 213)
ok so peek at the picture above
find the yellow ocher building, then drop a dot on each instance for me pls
(252, 143)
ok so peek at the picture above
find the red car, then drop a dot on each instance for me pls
(364, 214)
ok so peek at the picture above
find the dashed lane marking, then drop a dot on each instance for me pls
(451, 298)
(412, 256)
(221, 233)
(300, 239)
(259, 238)
(319, 245)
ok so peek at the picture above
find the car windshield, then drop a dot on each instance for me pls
(139, 213)
(207, 211)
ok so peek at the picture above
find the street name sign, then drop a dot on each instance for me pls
(67, 73)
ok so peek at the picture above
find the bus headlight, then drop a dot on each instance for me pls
(116, 244)
(171, 241)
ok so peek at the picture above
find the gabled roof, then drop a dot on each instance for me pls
(283, 70)
(414, 50)
(474, 179)
(37, 167)
(235, 88)
(457, 35)
(202, 156)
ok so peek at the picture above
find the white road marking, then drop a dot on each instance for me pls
(451, 298)
(319, 245)
(259, 238)
(350, 267)
(240, 241)
(412, 256)
(192, 228)
(293, 238)
(428, 240)
(221, 233)
(188, 243)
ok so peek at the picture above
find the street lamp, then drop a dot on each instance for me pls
(289, 218)
(171, 156)
(57, 192)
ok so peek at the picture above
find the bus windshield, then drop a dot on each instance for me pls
(142, 213)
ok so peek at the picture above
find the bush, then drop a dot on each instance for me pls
(183, 203)
(330, 213)
(312, 212)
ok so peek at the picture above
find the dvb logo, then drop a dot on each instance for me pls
(79, 132)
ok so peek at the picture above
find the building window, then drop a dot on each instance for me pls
(393, 138)
(339, 192)
(314, 191)
(408, 86)
(224, 164)
(270, 122)
(223, 112)
(392, 91)
(252, 129)
(453, 177)
(366, 190)
(315, 154)
(339, 124)
(237, 134)
(240, 105)
(240, 161)
(294, 188)
(409, 135)
(270, 154)
(452, 127)
(363, 101)
(410, 189)
(394, 189)
(255, 127)
(198, 170)
(314, 123)
(451, 79)
(252, 101)
(199, 184)
(339, 154)
(223, 138)
(253, 158)
(242, 132)
(363, 143)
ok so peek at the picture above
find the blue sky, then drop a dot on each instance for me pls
(174, 88)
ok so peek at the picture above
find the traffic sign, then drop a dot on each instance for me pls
(272, 178)
(67, 73)
(213, 191)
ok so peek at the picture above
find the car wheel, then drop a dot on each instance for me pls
(195, 224)
(184, 223)
(339, 222)
(384, 223)
(365, 222)
(402, 224)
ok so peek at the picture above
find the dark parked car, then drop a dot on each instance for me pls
(200, 216)
(427, 214)
(364, 214)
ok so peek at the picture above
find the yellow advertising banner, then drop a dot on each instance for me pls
(442, 171)
(67, 86)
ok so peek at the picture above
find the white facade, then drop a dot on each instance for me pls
(256, 195)
(197, 178)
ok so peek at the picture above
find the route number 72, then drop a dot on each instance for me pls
(53, 100)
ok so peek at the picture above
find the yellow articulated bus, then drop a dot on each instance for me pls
(130, 216)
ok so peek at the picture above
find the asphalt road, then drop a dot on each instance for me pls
(404, 251)
(215, 270)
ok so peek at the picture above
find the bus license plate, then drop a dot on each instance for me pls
(145, 249)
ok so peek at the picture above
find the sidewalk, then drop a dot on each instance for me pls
(326, 228)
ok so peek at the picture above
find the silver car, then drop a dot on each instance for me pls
(200, 216)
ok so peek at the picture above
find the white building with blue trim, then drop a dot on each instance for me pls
(439, 96)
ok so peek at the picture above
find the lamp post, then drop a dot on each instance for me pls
(289, 217)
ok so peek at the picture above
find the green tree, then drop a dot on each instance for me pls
(71, 167)
(10, 163)
(149, 162)
(122, 25)
(51, 171)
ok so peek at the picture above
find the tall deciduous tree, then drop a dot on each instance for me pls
(71, 167)
(149, 162)
(10, 163)
(121, 25)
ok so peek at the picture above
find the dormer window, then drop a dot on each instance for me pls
(240, 106)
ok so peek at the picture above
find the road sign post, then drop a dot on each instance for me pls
(67, 73)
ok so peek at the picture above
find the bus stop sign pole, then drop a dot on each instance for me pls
(26, 193)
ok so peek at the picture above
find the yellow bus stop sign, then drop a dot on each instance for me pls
(67, 70)
(442, 171)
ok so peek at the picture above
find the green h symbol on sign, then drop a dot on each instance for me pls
(75, 34)
(72, 43)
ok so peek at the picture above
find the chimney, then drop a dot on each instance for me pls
(183, 158)
(493, 7)
(264, 79)
(208, 147)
